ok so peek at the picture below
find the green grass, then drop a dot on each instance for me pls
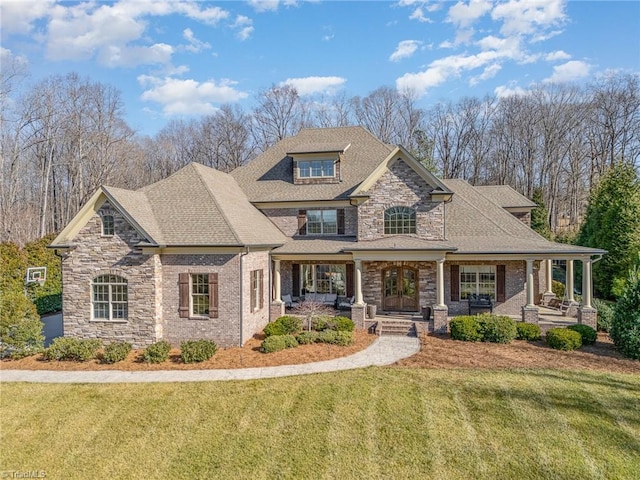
(373, 423)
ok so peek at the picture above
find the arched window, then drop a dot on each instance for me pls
(399, 220)
(108, 225)
(110, 298)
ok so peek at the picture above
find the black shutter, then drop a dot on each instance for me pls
(350, 279)
(295, 279)
(340, 221)
(501, 277)
(455, 283)
(183, 286)
(302, 222)
(213, 295)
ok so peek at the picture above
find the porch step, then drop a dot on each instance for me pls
(396, 327)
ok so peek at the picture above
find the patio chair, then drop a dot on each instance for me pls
(288, 302)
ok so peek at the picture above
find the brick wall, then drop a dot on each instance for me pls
(524, 217)
(401, 186)
(286, 219)
(224, 330)
(97, 255)
(254, 321)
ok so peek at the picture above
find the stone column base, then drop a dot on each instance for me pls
(276, 309)
(357, 315)
(440, 321)
(588, 316)
(572, 310)
(530, 314)
(546, 297)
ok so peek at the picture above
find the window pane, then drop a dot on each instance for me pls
(201, 305)
(316, 168)
(399, 220)
(200, 294)
(305, 169)
(327, 168)
(107, 225)
(101, 311)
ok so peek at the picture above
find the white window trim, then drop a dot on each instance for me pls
(255, 282)
(113, 225)
(477, 282)
(322, 222)
(314, 276)
(192, 314)
(110, 301)
(310, 162)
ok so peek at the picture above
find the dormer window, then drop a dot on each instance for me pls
(316, 169)
(108, 226)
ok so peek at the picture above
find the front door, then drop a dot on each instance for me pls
(400, 289)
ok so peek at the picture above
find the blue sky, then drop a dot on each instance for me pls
(177, 59)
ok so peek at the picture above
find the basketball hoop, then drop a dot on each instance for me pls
(36, 275)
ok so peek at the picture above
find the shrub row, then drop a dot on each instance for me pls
(285, 325)
(276, 343)
(489, 328)
(76, 349)
(571, 337)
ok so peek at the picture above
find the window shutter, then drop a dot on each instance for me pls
(261, 277)
(295, 279)
(302, 222)
(213, 295)
(350, 279)
(340, 214)
(501, 287)
(183, 285)
(455, 283)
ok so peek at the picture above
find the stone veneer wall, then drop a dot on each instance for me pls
(224, 330)
(524, 217)
(372, 281)
(97, 255)
(286, 219)
(254, 322)
(401, 186)
(515, 279)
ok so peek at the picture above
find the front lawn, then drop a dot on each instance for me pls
(373, 423)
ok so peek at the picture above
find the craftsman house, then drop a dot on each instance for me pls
(330, 214)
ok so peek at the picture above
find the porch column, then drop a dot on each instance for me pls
(530, 300)
(440, 282)
(358, 292)
(276, 281)
(569, 281)
(586, 283)
(548, 266)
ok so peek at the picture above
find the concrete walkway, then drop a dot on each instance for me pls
(383, 351)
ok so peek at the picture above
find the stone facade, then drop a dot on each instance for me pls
(401, 186)
(524, 217)
(372, 288)
(117, 255)
(286, 219)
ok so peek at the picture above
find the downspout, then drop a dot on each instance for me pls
(242, 255)
(62, 256)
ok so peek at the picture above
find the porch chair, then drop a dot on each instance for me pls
(346, 303)
(288, 302)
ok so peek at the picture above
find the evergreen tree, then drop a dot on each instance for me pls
(612, 223)
(625, 324)
(540, 215)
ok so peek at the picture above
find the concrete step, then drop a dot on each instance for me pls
(396, 327)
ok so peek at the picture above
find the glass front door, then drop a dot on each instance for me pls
(400, 289)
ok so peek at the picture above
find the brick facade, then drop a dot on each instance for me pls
(254, 321)
(286, 219)
(401, 186)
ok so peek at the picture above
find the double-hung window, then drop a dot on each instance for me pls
(316, 168)
(322, 222)
(110, 298)
(477, 279)
(199, 295)
(108, 226)
(256, 290)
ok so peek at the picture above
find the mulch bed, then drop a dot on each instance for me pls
(442, 352)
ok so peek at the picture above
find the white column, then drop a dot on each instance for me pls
(440, 282)
(569, 281)
(548, 266)
(358, 299)
(276, 281)
(586, 283)
(530, 283)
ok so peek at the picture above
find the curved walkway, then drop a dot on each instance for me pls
(383, 351)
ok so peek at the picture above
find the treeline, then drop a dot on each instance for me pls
(66, 135)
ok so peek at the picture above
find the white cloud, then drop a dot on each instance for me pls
(405, 49)
(509, 91)
(557, 55)
(245, 33)
(313, 85)
(245, 26)
(418, 14)
(188, 97)
(115, 56)
(526, 17)
(195, 45)
(570, 71)
(18, 16)
(464, 15)
(489, 72)
(271, 5)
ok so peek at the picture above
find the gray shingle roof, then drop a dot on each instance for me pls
(505, 196)
(269, 177)
(477, 224)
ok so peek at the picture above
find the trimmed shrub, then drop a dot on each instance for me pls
(290, 341)
(194, 351)
(115, 352)
(563, 339)
(307, 338)
(605, 314)
(285, 325)
(157, 352)
(558, 288)
(343, 338)
(20, 327)
(528, 331)
(274, 343)
(326, 336)
(588, 334)
(497, 329)
(625, 323)
(75, 349)
(322, 323)
(465, 328)
(344, 324)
